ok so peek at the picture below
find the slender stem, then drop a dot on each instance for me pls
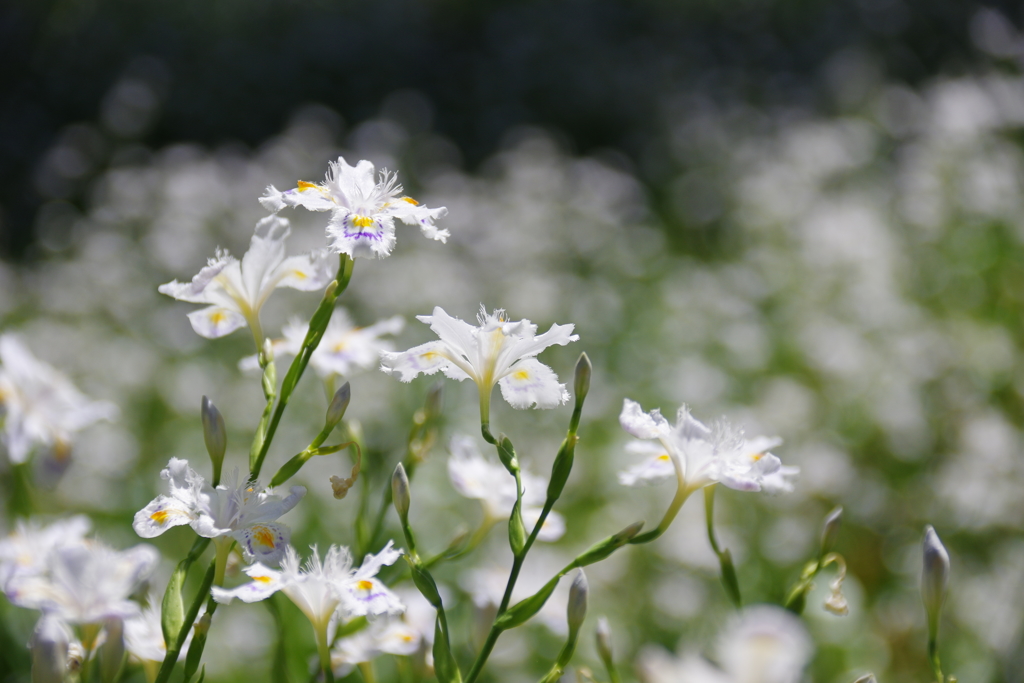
(222, 546)
(324, 651)
(933, 656)
(322, 316)
(682, 493)
(709, 517)
(366, 669)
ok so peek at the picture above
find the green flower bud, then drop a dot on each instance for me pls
(339, 404)
(576, 610)
(215, 435)
(507, 454)
(400, 493)
(934, 577)
(562, 467)
(830, 530)
(581, 382)
(603, 549)
(604, 641)
(516, 530)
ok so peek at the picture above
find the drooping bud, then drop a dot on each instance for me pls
(507, 454)
(581, 381)
(830, 530)
(112, 650)
(49, 646)
(576, 610)
(400, 493)
(215, 435)
(934, 578)
(339, 404)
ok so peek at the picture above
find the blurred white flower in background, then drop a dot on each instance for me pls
(40, 406)
(344, 348)
(474, 476)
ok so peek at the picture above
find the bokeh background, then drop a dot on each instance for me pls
(802, 214)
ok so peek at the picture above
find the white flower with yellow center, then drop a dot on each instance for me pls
(381, 636)
(344, 349)
(236, 290)
(320, 589)
(40, 407)
(497, 352)
(237, 510)
(363, 210)
(473, 476)
(697, 456)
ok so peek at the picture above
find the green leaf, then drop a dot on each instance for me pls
(516, 529)
(445, 668)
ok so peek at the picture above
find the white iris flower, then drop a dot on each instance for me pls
(40, 406)
(474, 476)
(236, 290)
(320, 589)
(25, 551)
(497, 352)
(381, 636)
(237, 510)
(344, 348)
(363, 211)
(697, 456)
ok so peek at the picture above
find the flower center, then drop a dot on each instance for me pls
(361, 221)
(364, 585)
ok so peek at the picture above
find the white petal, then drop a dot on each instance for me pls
(265, 543)
(349, 234)
(272, 200)
(215, 321)
(370, 597)
(424, 359)
(372, 563)
(260, 263)
(195, 291)
(531, 383)
(309, 272)
(649, 473)
(640, 424)
(160, 515)
(308, 196)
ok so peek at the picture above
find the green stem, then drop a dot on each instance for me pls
(682, 493)
(174, 649)
(324, 651)
(317, 325)
(933, 656)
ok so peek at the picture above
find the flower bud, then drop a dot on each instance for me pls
(830, 530)
(576, 610)
(603, 549)
(215, 435)
(49, 646)
(400, 493)
(581, 381)
(339, 404)
(867, 678)
(507, 454)
(604, 641)
(934, 578)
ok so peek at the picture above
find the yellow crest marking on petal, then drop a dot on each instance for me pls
(756, 456)
(263, 536)
(364, 585)
(411, 201)
(664, 457)
(361, 221)
(217, 317)
(262, 579)
(303, 186)
(299, 274)
(407, 638)
(429, 355)
(522, 375)
(161, 516)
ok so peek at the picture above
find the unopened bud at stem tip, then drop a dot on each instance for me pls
(339, 404)
(577, 608)
(604, 639)
(214, 432)
(934, 576)
(581, 383)
(400, 492)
